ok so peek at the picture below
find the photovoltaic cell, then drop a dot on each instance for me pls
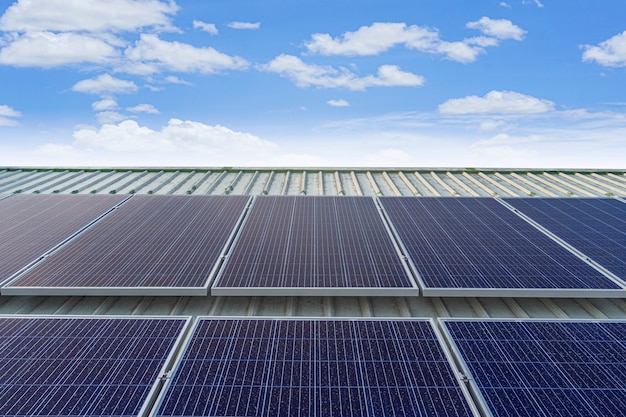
(544, 368)
(66, 366)
(596, 227)
(477, 244)
(31, 225)
(329, 368)
(313, 245)
(167, 244)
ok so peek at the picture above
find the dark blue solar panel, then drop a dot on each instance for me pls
(479, 243)
(81, 366)
(314, 242)
(545, 368)
(284, 367)
(596, 227)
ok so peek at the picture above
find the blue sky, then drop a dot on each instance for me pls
(394, 83)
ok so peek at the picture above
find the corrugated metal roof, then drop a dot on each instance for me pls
(318, 181)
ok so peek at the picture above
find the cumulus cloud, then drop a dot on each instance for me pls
(52, 33)
(382, 36)
(47, 50)
(143, 108)
(244, 25)
(151, 54)
(178, 135)
(338, 103)
(104, 104)
(207, 27)
(86, 15)
(109, 117)
(498, 28)
(8, 115)
(105, 84)
(497, 102)
(610, 53)
(306, 75)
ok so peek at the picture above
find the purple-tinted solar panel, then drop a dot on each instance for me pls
(314, 245)
(329, 368)
(66, 366)
(478, 244)
(170, 244)
(31, 225)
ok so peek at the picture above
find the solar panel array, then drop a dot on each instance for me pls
(31, 225)
(545, 368)
(289, 367)
(314, 245)
(82, 366)
(463, 246)
(596, 227)
(149, 245)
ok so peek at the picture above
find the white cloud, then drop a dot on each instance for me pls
(382, 36)
(497, 102)
(104, 104)
(338, 103)
(86, 15)
(47, 50)
(535, 2)
(109, 117)
(244, 25)
(498, 28)
(207, 27)
(176, 80)
(610, 53)
(489, 125)
(105, 84)
(151, 54)
(6, 111)
(505, 4)
(374, 39)
(8, 115)
(143, 108)
(178, 135)
(305, 75)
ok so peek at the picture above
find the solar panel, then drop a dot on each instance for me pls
(314, 246)
(476, 246)
(596, 227)
(151, 245)
(69, 366)
(314, 367)
(31, 225)
(542, 367)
